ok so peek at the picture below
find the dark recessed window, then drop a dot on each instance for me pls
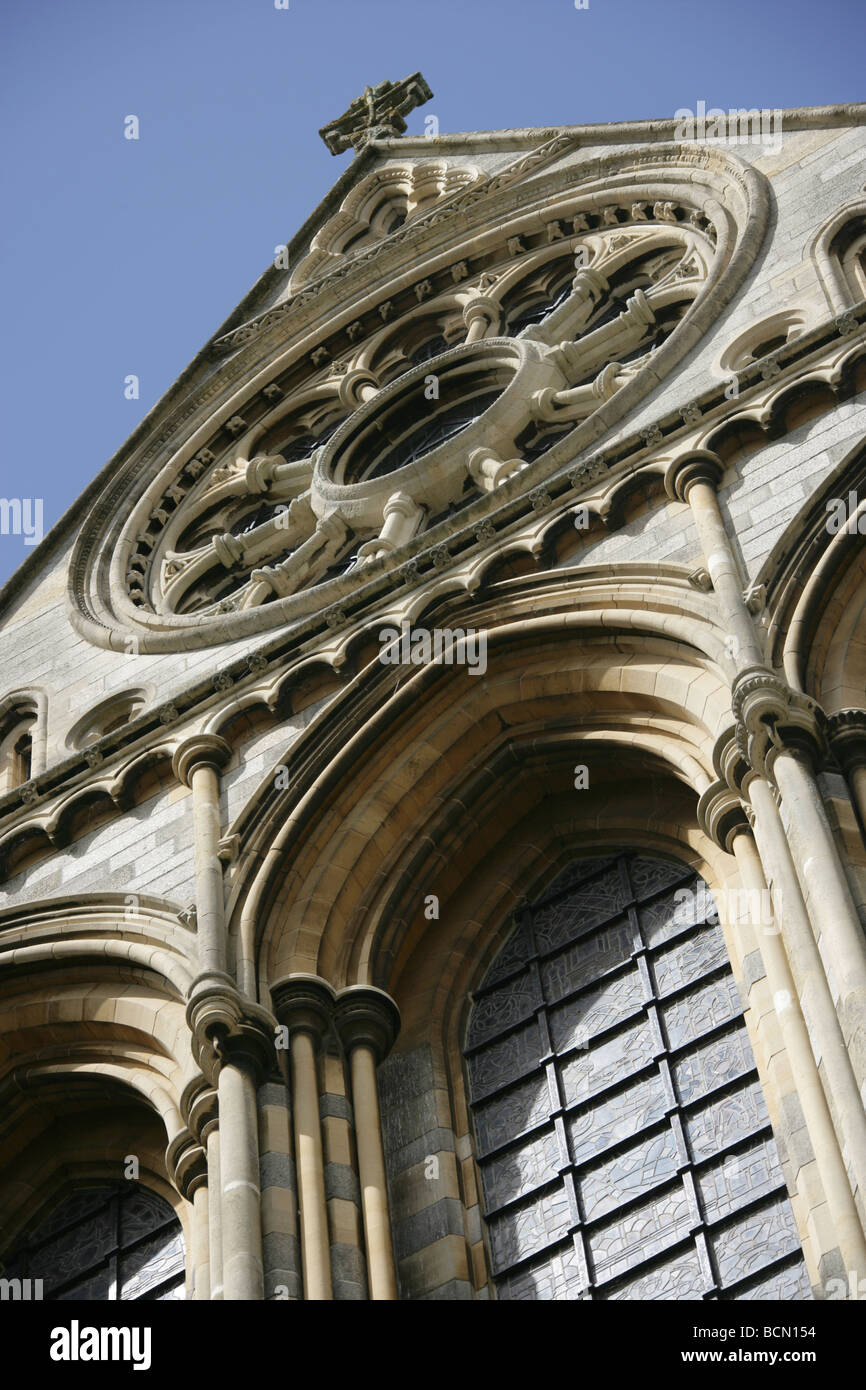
(537, 313)
(104, 1243)
(623, 1142)
(429, 435)
(22, 760)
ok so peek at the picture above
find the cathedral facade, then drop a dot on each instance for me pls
(433, 750)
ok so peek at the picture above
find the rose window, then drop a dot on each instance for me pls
(392, 424)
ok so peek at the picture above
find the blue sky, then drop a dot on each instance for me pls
(121, 257)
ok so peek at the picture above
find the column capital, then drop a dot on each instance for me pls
(200, 1107)
(228, 1029)
(772, 718)
(481, 306)
(695, 466)
(367, 1016)
(846, 730)
(186, 1163)
(304, 1002)
(201, 750)
(721, 815)
(729, 761)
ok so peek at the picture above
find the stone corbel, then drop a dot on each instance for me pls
(755, 597)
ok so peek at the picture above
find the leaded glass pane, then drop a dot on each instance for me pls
(105, 1243)
(682, 965)
(151, 1263)
(591, 1131)
(610, 1025)
(738, 1179)
(520, 1170)
(595, 1011)
(502, 1061)
(527, 1229)
(701, 1011)
(631, 1172)
(645, 1231)
(783, 1285)
(510, 1114)
(594, 1070)
(713, 1064)
(509, 1004)
(726, 1120)
(555, 1278)
(755, 1241)
(681, 1277)
(587, 960)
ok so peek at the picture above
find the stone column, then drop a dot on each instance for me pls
(826, 1208)
(215, 1227)
(721, 816)
(368, 1021)
(694, 478)
(816, 1112)
(847, 733)
(824, 884)
(782, 733)
(303, 1005)
(481, 314)
(199, 1108)
(201, 1243)
(812, 989)
(185, 1161)
(197, 763)
(400, 520)
(243, 1265)
(233, 1042)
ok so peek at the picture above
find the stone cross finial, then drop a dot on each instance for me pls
(378, 113)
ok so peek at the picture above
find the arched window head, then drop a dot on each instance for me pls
(17, 728)
(623, 1142)
(102, 1243)
(22, 759)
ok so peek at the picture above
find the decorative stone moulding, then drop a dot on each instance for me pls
(761, 338)
(847, 734)
(105, 716)
(220, 526)
(226, 1027)
(373, 209)
(771, 716)
(721, 814)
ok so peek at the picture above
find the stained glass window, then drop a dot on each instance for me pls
(623, 1142)
(104, 1243)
